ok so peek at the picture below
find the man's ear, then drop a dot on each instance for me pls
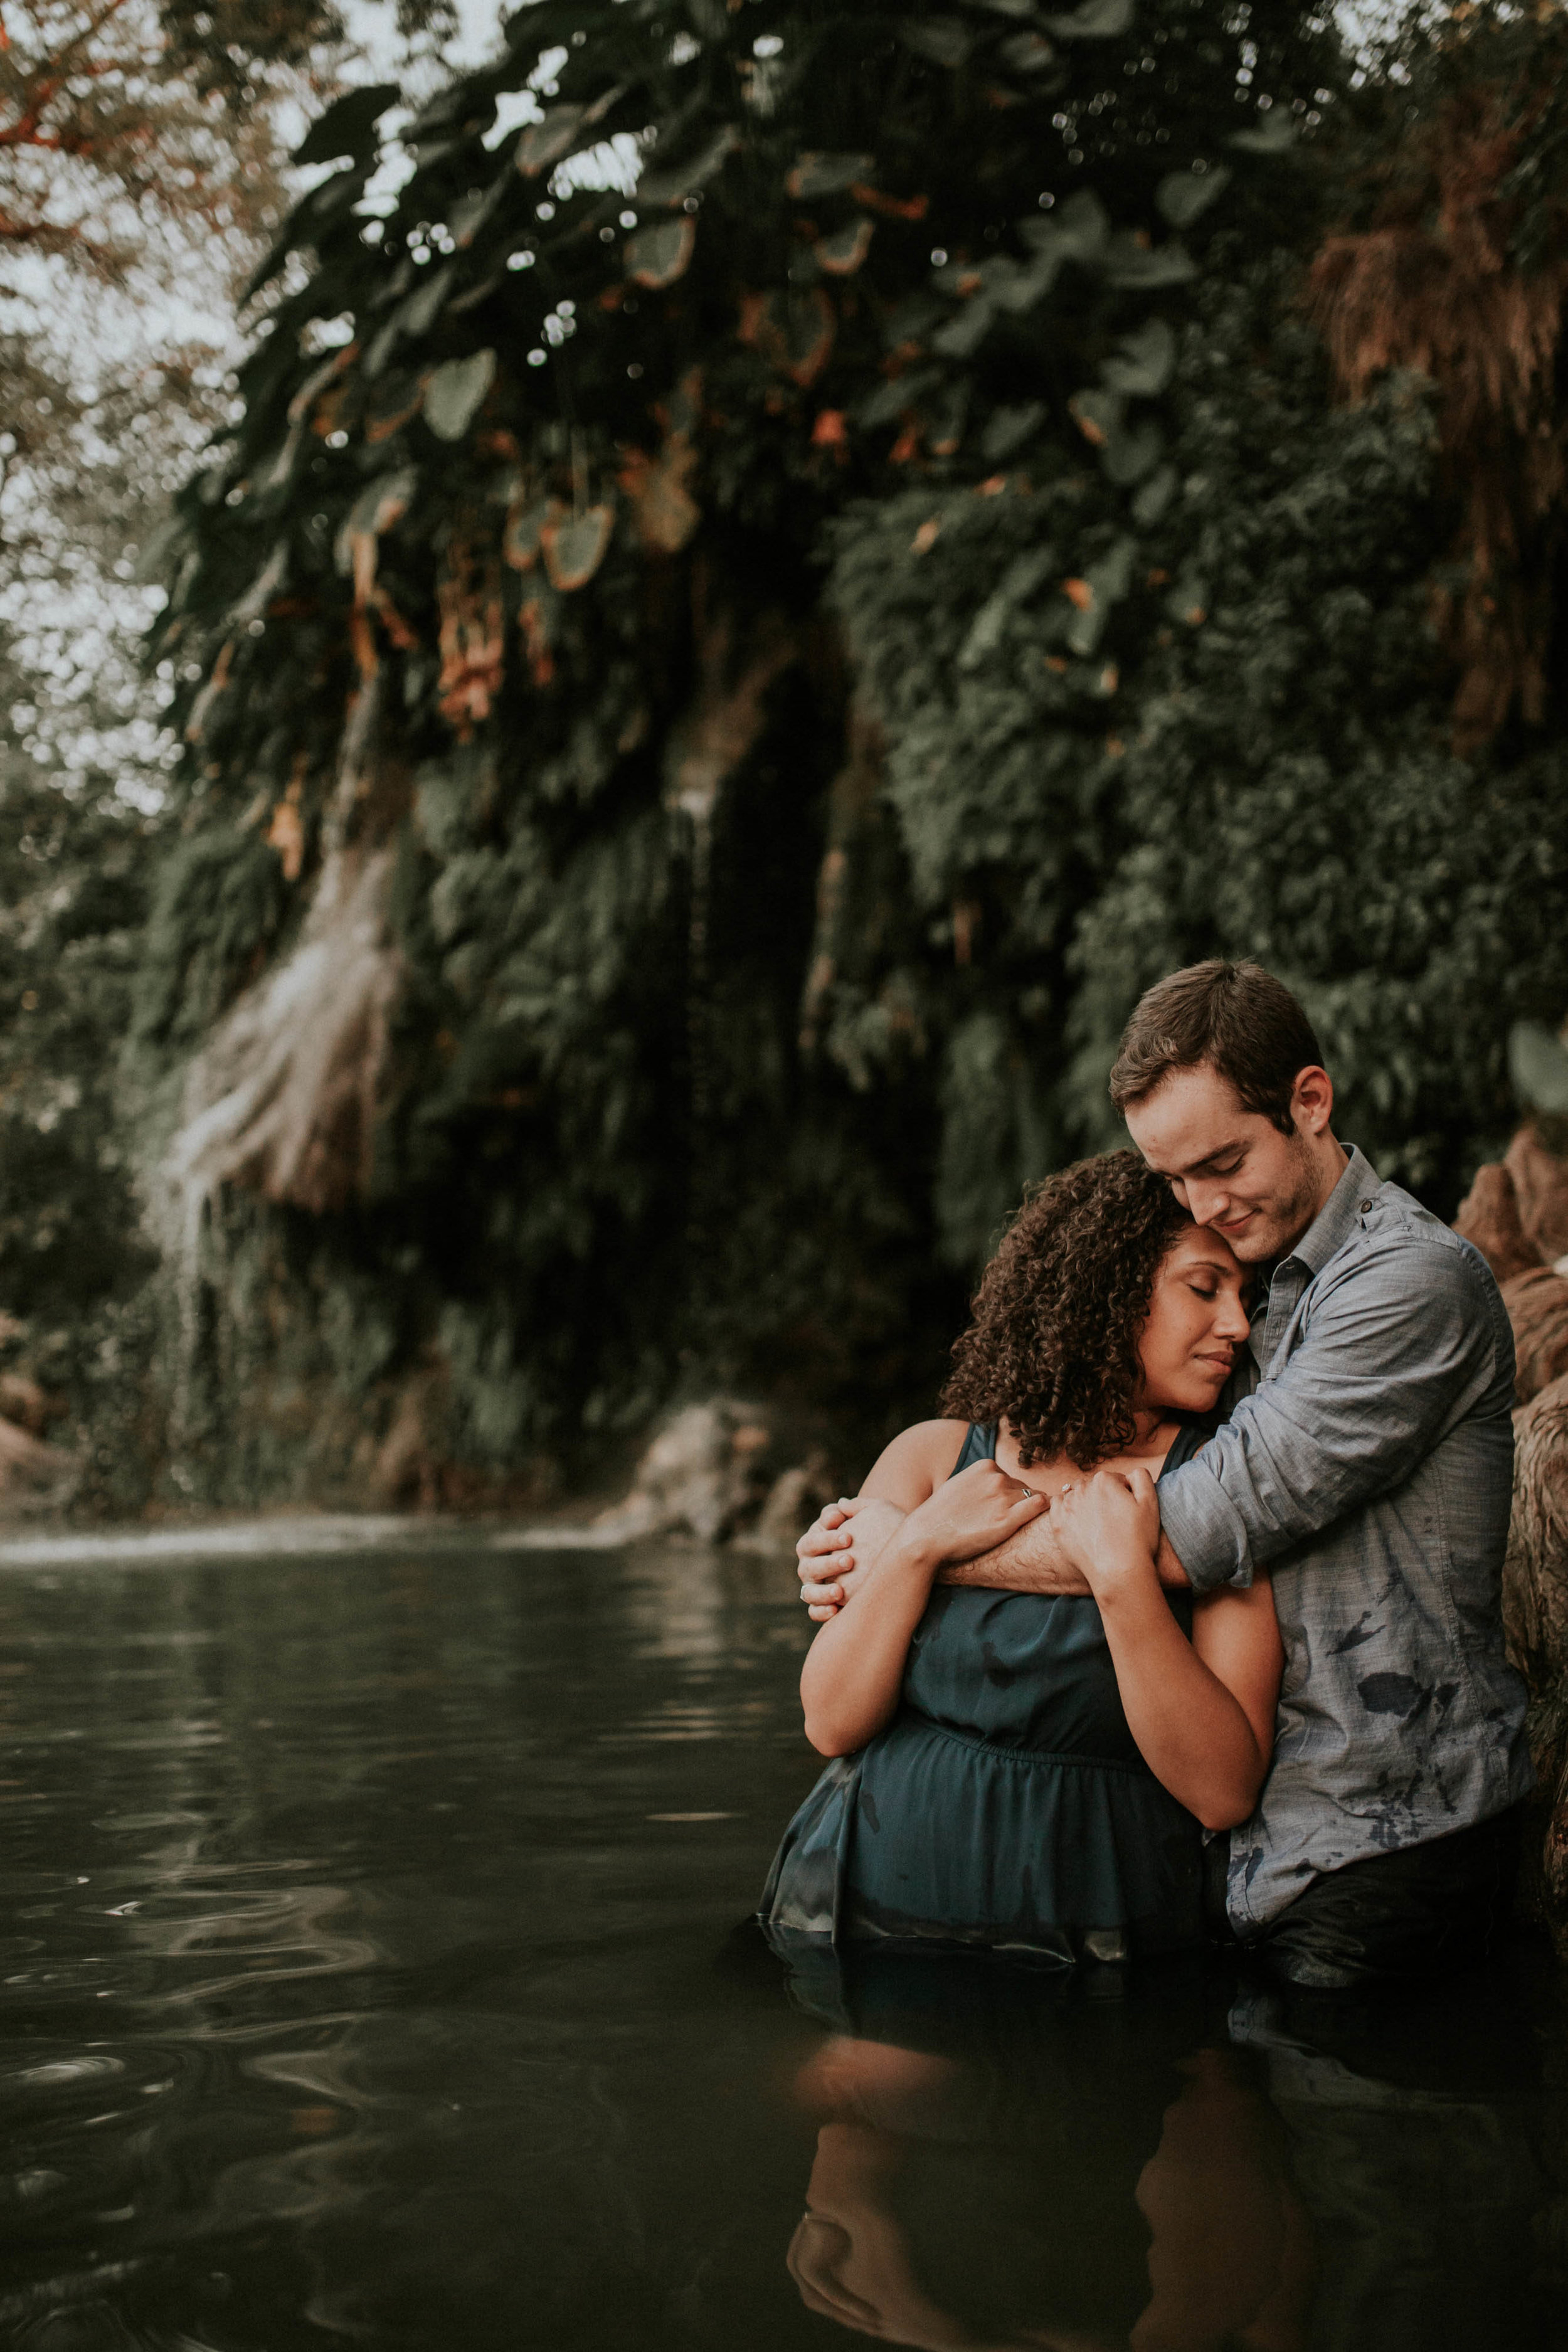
(1312, 1100)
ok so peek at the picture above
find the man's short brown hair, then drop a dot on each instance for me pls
(1236, 1017)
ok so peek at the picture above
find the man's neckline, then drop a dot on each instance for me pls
(1336, 1220)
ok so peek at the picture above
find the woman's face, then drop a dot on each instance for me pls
(1196, 1322)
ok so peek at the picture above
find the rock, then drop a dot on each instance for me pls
(1536, 1611)
(794, 1500)
(33, 1476)
(1489, 1217)
(713, 1471)
(23, 1402)
(1541, 1188)
(1537, 1304)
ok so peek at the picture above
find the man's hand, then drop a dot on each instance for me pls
(840, 1546)
(849, 1534)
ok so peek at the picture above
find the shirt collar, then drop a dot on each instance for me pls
(1339, 1216)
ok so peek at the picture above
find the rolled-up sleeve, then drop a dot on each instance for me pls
(1398, 1343)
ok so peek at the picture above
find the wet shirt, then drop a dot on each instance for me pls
(1368, 1463)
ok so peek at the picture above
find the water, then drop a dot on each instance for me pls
(367, 1976)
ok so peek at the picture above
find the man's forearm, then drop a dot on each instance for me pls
(1034, 1560)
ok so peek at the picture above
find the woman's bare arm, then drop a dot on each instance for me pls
(854, 1670)
(1202, 1712)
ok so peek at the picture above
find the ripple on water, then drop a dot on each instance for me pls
(363, 1978)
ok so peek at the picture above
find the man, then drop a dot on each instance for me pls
(1366, 1463)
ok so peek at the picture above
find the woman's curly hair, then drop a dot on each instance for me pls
(1054, 1343)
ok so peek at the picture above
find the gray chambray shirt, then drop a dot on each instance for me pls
(1370, 1467)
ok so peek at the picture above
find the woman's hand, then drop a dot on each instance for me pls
(971, 1513)
(1110, 1527)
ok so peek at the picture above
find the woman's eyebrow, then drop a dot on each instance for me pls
(1208, 1262)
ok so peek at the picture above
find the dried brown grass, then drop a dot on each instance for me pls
(1433, 284)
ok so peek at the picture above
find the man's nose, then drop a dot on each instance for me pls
(1204, 1202)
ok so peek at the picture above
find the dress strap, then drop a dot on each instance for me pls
(979, 1445)
(1191, 1435)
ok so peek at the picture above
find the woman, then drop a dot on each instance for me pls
(1020, 1771)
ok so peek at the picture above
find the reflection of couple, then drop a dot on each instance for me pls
(996, 2170)
(1048, 1668)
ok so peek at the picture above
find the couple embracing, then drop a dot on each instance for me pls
(1184, 1623)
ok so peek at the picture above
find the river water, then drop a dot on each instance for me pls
(368, 1975)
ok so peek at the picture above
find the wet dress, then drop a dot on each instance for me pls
(1006, 1803)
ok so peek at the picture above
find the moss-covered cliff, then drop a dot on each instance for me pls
(704, 705)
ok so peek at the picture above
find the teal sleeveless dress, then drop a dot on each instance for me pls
(1006, 1803)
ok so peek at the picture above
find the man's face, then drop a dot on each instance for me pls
(1231, 1168)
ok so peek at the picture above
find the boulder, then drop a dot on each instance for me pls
(1490, 1218)
(1537, 1304)
(719, 1471)
(1541, 1188)
(1536, 1611)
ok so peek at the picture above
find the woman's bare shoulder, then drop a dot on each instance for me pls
(915, 1462)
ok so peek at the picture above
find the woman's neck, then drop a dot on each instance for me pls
(1146, 1425)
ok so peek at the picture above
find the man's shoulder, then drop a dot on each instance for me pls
(1405, 1252)
(1393, 1229)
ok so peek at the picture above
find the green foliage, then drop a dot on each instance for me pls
(815, 636)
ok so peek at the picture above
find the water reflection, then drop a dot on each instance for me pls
(364, 1974)
(1004, 2157)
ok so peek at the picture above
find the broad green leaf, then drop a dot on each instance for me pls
(677, 180)
(318, 381)
(559, 129)
(1097, 415)
(1273, 136)
(1027, 53)
(525, 530)
(452, 394)
(1142, 362)
(1098, 20)
(1188, 600)
(466, 219)
(1021, 291)
(658, 255)
(545, 143)
(1538, 1066)
(395, 399)
(575, 550)
(1129, 456)
(348, 126)
(824, 175)
(1009, 428)
(1154, 496)
(267, 585)
(962, 336)
(313, 214)
(1129, 263)
(842, 253)
(1103, 585)
(890, 400)
(1077, 230)
(378, 506)
(1183, 196)
(943, 40)
(418, 314)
